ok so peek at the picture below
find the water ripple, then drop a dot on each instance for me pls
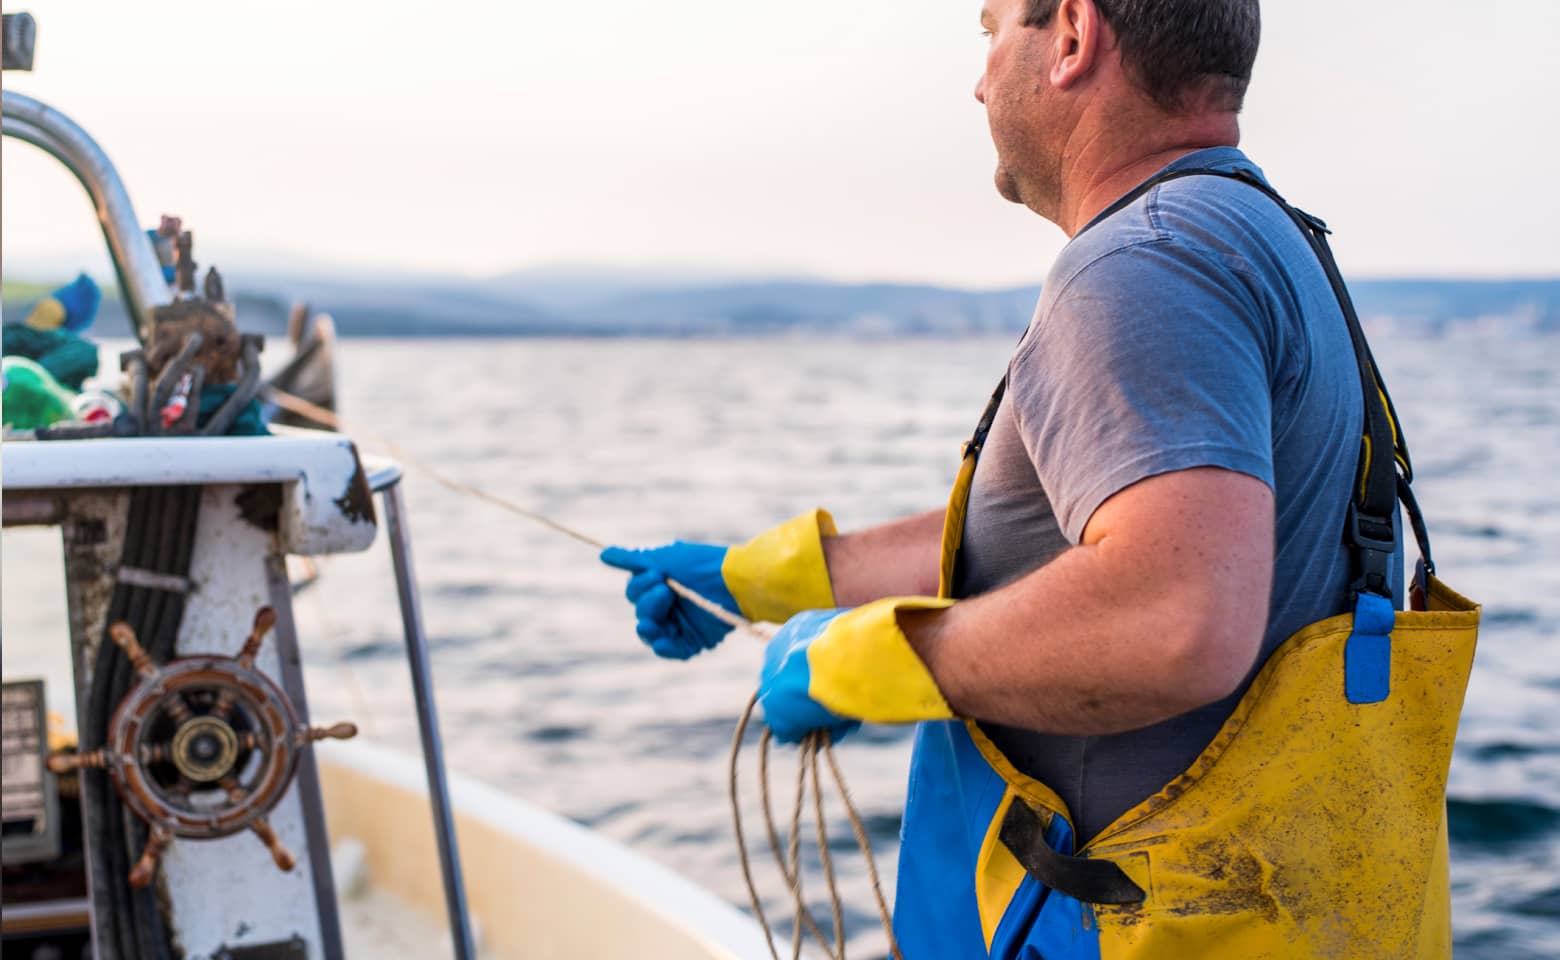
(1496, 824)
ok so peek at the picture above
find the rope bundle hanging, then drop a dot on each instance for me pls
(789, 861)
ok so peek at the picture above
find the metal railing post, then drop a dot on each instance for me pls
(428, 723)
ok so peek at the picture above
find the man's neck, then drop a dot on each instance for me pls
(1109, 164)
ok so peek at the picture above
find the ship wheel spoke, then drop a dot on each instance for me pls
(265, 619)
(223, 708)
(179, 709)
(59, 763)
(157, 752)
(236, 791)
(340, 731)
(145, 868)
(123, 635)
(279, 853)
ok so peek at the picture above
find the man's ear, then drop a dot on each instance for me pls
(1079, 35)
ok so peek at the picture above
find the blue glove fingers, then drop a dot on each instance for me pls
(792, 734)
(665, 641)
(840, 731)
(792, 717)
(697, 627)
(789, 709)
(671, 627)
(654, 603)
(623, 558)
(642, 583)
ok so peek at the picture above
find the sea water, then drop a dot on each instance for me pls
(545, 691)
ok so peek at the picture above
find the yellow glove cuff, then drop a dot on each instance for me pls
(782, 572)
(863, 666)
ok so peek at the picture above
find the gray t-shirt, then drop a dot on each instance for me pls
(1192, 328)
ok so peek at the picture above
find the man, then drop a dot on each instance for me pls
(1151, 506)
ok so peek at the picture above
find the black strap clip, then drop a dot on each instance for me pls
(1374, 544)
(1089, 881)
(1314, 222)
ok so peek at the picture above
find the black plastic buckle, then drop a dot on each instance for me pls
(1316, 223)
(1373, 542)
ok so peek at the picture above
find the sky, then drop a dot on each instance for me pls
(833, 138)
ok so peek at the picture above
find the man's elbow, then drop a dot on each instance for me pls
(1210, 658)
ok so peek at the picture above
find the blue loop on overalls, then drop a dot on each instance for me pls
(1367, 656)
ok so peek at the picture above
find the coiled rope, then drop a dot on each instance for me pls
(788, 860)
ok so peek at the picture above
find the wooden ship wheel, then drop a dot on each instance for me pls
(202, 746)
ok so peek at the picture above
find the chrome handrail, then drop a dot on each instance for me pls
(135, 259)
(386, 481)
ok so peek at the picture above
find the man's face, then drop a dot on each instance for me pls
(1019, 101)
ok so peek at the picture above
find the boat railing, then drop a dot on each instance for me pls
(135, 259)
(384, 478)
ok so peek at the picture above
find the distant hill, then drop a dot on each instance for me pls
(1436, 307)
(626, 305)
(582, 301)
(812, 306)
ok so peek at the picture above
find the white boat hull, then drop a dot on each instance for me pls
(537, 885)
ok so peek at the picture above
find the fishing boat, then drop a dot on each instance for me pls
(194, 808)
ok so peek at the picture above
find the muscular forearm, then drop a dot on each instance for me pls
(899, 558)
(1102, 663)
(1145, 621)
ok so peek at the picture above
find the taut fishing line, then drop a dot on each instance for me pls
(788, 859)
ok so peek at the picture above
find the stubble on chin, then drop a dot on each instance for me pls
(1034, 190)
(1007, 185)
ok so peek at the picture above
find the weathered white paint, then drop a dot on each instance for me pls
(317, 471)
(227, 892)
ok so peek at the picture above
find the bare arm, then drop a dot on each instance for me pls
(895, 559)
(1160, 610)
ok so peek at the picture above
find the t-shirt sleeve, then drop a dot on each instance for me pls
(1153, 358)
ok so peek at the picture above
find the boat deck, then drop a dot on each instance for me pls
(375, 923)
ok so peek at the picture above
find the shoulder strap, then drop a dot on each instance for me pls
(983, 428)
(1385, 469)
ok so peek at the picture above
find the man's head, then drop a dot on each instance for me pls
(1070, 82)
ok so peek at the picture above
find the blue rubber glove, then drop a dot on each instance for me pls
(672, 626)
(784, 685)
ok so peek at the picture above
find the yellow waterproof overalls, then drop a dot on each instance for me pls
(1314, 824)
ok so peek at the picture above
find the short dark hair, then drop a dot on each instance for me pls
(1173, 49)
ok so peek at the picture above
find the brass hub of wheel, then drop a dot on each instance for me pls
(204, 749)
